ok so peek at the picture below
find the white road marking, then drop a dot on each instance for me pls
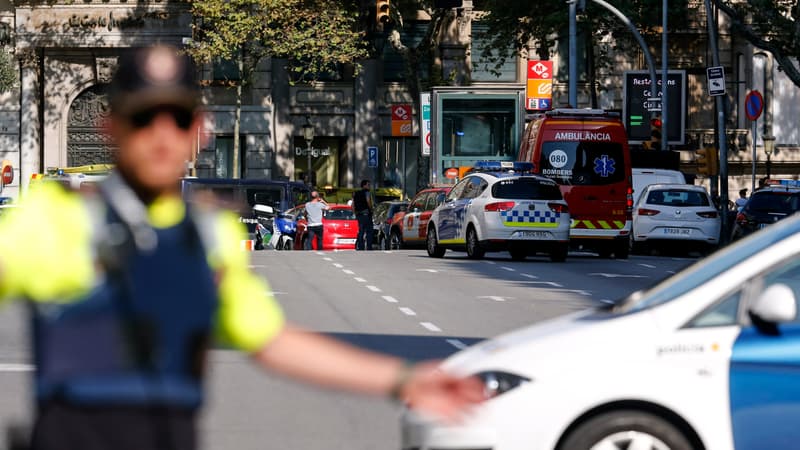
(427, 270)
(321, 253)
(349, 272)
(615, 275)
(390, 299)
(337, 265)
(496, 298)
(373, 288)
(276, 293)
(527, 275)
(671, 272)
(256, 266)
(649, 266)
(431, 327)
(407, 311)
(510, 269)
(11, 367)
(457, 344)
(360, 280)
(549, 283)
(327, 259)
(489, 262)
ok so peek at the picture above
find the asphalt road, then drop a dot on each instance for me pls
(401, 302)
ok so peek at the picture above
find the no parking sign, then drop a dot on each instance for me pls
(753, 105)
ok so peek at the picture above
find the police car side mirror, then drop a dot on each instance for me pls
(777, 304)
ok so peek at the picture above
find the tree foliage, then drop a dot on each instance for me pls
(771, 25)
(319, 34)
(8, 71)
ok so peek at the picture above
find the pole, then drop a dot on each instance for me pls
(308, 154)
(755, 138)
(403, 178)
(664, 71)
(573, 54)
(723, 145)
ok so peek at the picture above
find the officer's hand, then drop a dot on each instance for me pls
(431, 390)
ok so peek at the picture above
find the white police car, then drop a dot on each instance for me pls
(706, 359)
(501, 206)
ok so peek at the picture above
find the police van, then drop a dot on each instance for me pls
(586, 152)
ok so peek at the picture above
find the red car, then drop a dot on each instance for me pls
(411, 228)
(339, 228)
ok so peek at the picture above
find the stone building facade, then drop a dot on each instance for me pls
(68, 49)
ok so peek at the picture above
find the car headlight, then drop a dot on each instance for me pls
(496, 382)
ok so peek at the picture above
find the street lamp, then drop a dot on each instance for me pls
(308, 135)
(769, 147)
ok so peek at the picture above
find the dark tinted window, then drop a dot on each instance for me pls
(582, 162)
(339, 214)
(783, 202)
(677, 197)
(265, 196)
(526, 189)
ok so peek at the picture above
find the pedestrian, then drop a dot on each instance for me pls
(124, 311)
(314, 228)
(742, 200)
(362, 207)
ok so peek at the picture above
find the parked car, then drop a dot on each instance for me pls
(382, 218)
(501, 207)
(765, 207)
(339, 228)
(705, 359)
(411, 228)
(674, 214)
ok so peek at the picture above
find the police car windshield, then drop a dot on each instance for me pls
(583, 162)
(526, 188)
(775, 201)
(708, 268)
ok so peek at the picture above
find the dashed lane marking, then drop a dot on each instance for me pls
(390, 299)
(457, 344)
(496, 298)
(527, 275)
(276, 293)
(615, 275)
(427, 270)
(549, 283)
(649, 266)
(360, 280)
(407, 311)
(327, 259)
(321, 253)
(431, 327)
(337, 265)
(373, 288)
(510, 269)
(349, 272)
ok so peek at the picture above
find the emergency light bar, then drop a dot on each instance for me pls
(503, 166)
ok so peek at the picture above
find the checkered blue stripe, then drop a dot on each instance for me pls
(530, 216)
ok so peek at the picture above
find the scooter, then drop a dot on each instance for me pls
(265, 218)
(285, 228)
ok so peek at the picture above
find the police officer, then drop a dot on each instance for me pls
(129, 285)
(362, 207)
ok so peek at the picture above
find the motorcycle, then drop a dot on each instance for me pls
(285, 228)
(264, 218)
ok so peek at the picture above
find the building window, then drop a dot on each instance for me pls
(223, 157)
(485, 68)
(226, 69)
(394, 66)
(479, 127)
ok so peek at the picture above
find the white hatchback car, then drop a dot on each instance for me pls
(499, 206)
(668, 214)
(706, 359)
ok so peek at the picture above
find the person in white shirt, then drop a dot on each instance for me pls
(314, 210)
(742, 200)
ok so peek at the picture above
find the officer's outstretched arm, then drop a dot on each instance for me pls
(324, 361)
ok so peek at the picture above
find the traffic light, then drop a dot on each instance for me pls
(655, 135)
(382, 12)
(707, 161)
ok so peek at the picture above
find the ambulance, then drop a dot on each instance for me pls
(586, 152)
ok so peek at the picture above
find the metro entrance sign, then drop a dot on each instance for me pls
(641, 102)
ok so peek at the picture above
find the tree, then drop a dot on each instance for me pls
(771, 25)
(317, 35)
(8, 71)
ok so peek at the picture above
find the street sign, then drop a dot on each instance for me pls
(753, 105)
(401, 120)
(716, 80)
(641, 101)
(7, 174)
(372, 157)
(451, 173)
(425, 123)
(539, 87)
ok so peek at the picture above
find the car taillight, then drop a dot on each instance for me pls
(629, 199)
(558, 207)
(647, 212)
(499, 206)
(741, 219)
(708, 214)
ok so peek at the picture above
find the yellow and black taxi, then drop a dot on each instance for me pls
(501, 206)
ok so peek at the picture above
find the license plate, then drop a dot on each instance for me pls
(528, 234)
(345, 241)
(678, 231)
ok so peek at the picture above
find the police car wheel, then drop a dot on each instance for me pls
(626, 429)
(474, 250)
(434, 249)
(559, 254)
